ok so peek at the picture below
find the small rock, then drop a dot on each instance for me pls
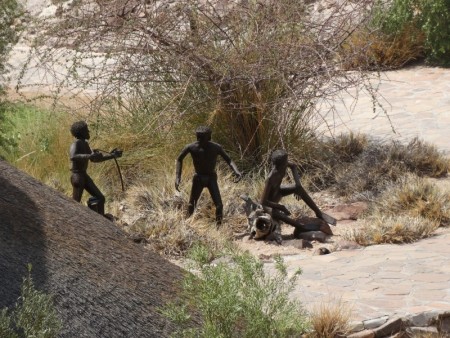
(429, 331)
(363, 334)
(443, 324)
(321, 251)
(376, 322)
(421, 319)
(356, 326)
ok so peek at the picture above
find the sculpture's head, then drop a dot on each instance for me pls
(203, 134)
(279, 159)
(80, 130)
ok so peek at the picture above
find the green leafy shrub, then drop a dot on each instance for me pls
(237, 299)
(33, 316)
(10, 11)
(435, 23)
(401, 31)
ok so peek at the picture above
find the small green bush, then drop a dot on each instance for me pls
(237, 299)
(435, 23)
(33, 316)
(404, 30)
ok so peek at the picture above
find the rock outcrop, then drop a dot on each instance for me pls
(104, 285)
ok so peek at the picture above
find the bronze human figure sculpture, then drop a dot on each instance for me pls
(274, 192)
(204, 155)
(80, 155)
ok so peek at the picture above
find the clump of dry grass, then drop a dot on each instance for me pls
(417, 197)
(356, 167)
(379, 229)
(329, 320)
(157, 213)
(411, 209)
(420, 158)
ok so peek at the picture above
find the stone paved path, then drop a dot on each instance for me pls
(417, 101)
(385, 281)
(378, 281)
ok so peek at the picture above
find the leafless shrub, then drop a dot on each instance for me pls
(254, 69)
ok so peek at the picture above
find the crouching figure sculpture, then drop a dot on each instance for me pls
(265, 217)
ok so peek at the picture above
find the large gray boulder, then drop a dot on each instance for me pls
(103, 284)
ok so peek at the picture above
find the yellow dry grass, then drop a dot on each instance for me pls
(330, 319)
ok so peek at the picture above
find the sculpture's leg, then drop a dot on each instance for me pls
(213, 188)
(313, 225)
(78, 182)
(92, 189)
(196, 191)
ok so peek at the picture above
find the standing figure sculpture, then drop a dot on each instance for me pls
(274, 192)
(80, 155)
(204, 155)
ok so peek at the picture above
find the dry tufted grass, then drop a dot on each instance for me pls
(329, 320)
(417, 197)
(380, 229)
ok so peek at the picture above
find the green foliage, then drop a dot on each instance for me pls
(6, 325)
(34, 315)
(421, 24)
(237, 299)
(10, 10)
(36, 140)
(435, 20)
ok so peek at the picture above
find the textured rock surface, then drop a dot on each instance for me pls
(103, 284)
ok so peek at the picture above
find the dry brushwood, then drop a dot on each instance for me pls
(255, 68)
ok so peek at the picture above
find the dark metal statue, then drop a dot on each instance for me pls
(204, 155)
(80, 155)
(274, 192)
